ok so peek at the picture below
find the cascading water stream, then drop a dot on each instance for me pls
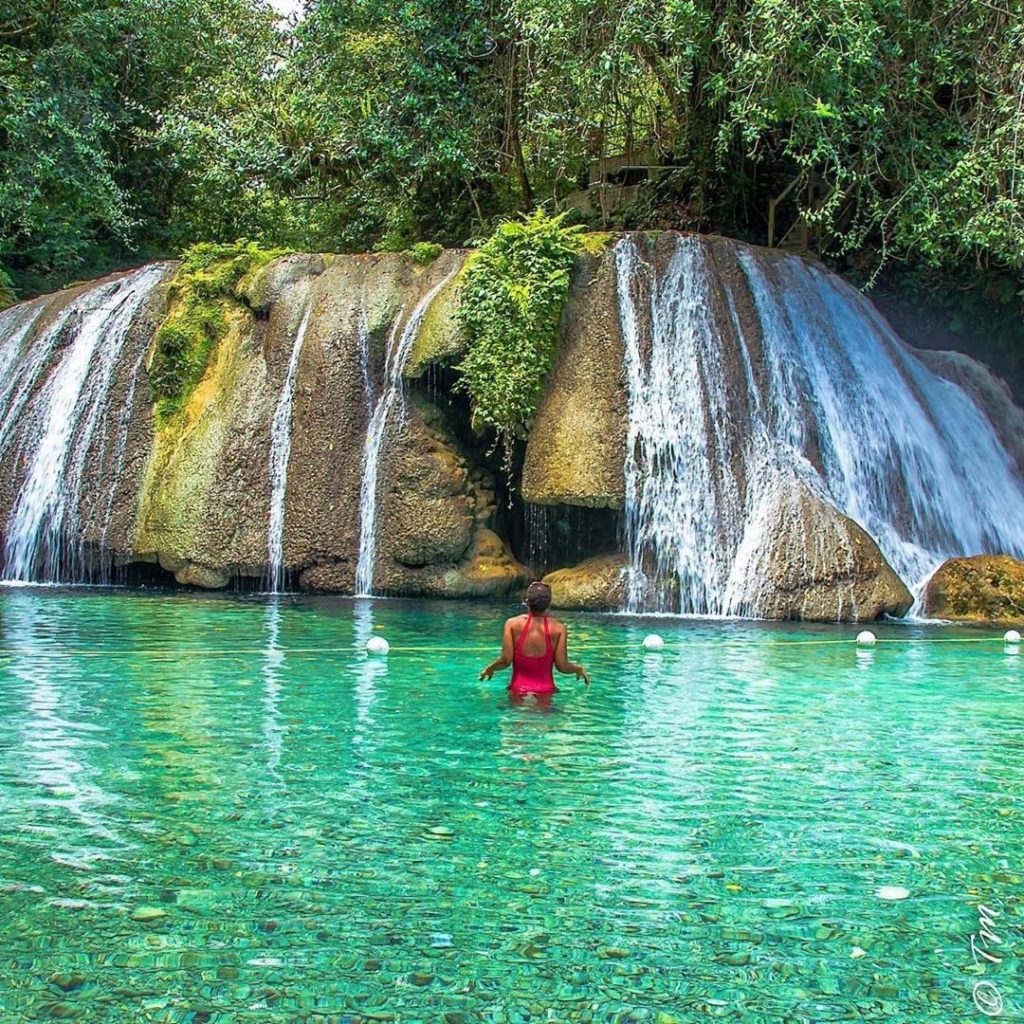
(399, 346)
(729, 425)
(55, 424)
(280, 452)
(15, 325)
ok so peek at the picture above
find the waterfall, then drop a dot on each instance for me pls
(15, 325)
(55, 421)
(399, 345)
(747, 389)
(280, 451)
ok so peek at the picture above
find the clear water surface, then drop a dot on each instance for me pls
(219, 810)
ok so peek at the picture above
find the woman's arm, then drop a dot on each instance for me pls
(562, 662)
(505, 658)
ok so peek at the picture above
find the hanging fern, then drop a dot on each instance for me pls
(516, 286)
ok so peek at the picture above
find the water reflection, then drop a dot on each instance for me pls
(369, 671)
(273, 667)
(55, 742)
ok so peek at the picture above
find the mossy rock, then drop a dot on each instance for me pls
(440, 338)
(982, 588)
(577, 441)
(211, 281)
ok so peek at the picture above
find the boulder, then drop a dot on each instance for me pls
(804, 559)
(487, 570)
(576, 448)
(193, 575)
(982, 588)
(597, 584)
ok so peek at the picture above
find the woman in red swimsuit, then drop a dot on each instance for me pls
(533, 644)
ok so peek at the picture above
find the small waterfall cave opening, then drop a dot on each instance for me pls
(543, 538)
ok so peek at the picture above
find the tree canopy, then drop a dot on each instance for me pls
(137, 127)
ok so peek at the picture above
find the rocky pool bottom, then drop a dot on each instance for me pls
(220, 809)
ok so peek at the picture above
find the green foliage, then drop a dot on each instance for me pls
(138, 127)
(86, 90)
(516, 285)
(207, 284)
(7, 294)
(423, 253)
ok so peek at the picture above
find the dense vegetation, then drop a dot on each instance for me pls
(517, 284)
(135, 127)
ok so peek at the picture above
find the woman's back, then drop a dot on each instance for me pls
(533, 654)
(531, 637)
(534, 644)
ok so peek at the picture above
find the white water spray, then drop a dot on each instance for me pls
(399, 346)
(56, 423)
(727, 427)
(280, 452)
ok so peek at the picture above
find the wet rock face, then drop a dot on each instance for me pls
(700, 350)
(990, 393)
(436, 517)
(818, 566)
(206, 500)
(983, 588)
(577, 442)
(108, 428)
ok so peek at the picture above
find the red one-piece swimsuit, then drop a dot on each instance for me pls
(532, 673)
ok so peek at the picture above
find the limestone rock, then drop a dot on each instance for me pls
(487, 570)
(193, 575)
(429, 512)
(982, 588)
(268, 284)
(435, 517)
(206, 494)
(597, 584)
(203, 576)
(576, 447)
(817, 564)
(440, 338)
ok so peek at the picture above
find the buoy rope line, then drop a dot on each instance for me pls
(579, 645)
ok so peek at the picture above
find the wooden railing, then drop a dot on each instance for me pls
(800, 226)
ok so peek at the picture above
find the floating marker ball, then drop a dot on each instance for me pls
(892, 892)
(1011, 637)
(866, 638)
(653, 642)
(378, 645)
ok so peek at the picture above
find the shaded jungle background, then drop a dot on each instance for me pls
(887, 132)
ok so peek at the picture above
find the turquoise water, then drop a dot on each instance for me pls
(218, 810)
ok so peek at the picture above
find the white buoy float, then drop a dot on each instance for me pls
(377, 645)
(653, 642)
(865, 638)
(892, 892)
(1011, 638)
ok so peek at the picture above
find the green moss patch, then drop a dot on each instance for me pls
(423, 253)
(208, 284)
